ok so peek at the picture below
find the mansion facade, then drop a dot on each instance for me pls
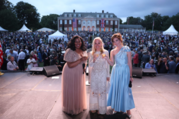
(81, 21)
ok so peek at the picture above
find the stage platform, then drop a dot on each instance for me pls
(25, 96)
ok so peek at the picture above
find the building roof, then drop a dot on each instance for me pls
(130, 26)
(84, 14)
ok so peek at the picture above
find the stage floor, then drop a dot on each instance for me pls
(25, 96)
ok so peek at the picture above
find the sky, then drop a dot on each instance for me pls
(121, 8)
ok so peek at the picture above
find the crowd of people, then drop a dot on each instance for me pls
(149, 50)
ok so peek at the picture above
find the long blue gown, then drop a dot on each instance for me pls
(120, 96)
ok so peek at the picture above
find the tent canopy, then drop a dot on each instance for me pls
(57, 35)
(1, 29)
(170, 31)
(45, 29)
(24, 29)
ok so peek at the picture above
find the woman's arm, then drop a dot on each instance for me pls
(74, 64)
(111, 60)
(130, 64)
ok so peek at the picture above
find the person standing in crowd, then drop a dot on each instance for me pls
(163, 65)
(150, 65)
(120, 96)
(11, 65)
(136, 59)
(99, 76)
(12, 53)
(145, 58)
(171, 65)
(30, 62)
(53, 58)
(45, 57)
(73, 85)
(139, 57)
(5, 61)
(21, 60)
(27, 54)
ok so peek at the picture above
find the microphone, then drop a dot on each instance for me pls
(130, 84)
(83, 65)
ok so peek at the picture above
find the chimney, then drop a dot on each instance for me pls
(73, 11)
(102, 11)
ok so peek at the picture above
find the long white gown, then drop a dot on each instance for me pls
(99, 71)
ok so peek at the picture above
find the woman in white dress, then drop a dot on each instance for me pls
(31, 61)
(99, 77)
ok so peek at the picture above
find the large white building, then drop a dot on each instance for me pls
(83, 21)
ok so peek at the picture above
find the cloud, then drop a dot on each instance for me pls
(123, 9)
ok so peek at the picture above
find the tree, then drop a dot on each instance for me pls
(173, 20)
(49, 21)
(120, 21)
(133, 20)
(8, 20)
(27, 14)
(5, 4)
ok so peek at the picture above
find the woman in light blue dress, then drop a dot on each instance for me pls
(120, 96)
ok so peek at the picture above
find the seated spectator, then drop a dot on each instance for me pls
(172, 65)
(150, 65)
(177, 65)
(136, 59)
(145, 58)
(30, 62)
(163, 65)
(12, 65)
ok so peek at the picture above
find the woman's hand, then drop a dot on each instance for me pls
(83, 58)
(94, 58)
(108, 79)
(131, 79)
(106, 58)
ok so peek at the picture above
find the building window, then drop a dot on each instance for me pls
(97, 29)
(74, 29)
(97, 15)
(69, 15)
(111, 22)
(88, 22)
(106, 22)
(107, 29)
(65, 21)
(79, 21)
(65, 28)
(111, 16)
(115, 29)
(65, 15)
(74, 15)
(60, 21)
(111, 29)
(115, 22)
(102, 15)
(70, 29)
(79, 29)
(106, 15)
(84, 22)
(60, 28)
(79, 15)
(69, 21)
(102, 29)
(98, 22)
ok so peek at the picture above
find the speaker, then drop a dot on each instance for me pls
(51, 70)
(137, 72)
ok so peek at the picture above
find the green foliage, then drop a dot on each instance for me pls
(173, 20)
(133, 20)
(49, 21)
(120, 21)
(27, 14)
(8, 20)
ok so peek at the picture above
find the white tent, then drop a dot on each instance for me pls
(24, 29)
(57, 35)
(45, 29)
(170, 31)
(1, 29)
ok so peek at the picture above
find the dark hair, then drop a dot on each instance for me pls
(118, 36)
(71, 44)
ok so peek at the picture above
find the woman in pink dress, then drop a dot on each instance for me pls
(73, 77)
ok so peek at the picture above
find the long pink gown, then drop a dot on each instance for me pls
(73, 85)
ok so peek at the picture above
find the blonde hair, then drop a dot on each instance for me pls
(93, 48)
